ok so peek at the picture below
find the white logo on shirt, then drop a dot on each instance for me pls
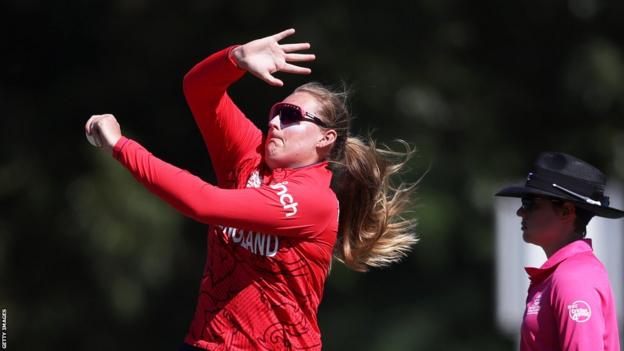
(287, 201)
(257, 243)
(579, 311)
(254, 180)
(534, 307)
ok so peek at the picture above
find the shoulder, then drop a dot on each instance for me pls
(312, 185)
(580, 287)
(578, 273)
(310, 194)
(579, 265)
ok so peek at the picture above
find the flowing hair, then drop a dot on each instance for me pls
(372, 230)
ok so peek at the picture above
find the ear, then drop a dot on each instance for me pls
(327, 138)
(568, 211)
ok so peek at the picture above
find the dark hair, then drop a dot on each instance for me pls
(372, 231)
(583, 217)
(581, 220)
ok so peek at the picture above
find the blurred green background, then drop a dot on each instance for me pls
(91, 260)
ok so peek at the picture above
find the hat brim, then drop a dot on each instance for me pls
(520, 191)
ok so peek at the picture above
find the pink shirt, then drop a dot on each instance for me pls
(570, 305)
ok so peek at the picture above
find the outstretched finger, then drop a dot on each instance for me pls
(288, 68)
(295, 47)
(283, 34)
(300, 57)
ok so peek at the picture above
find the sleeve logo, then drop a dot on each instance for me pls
(579, 311)
(287, 201)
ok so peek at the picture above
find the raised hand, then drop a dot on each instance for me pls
(265, 56)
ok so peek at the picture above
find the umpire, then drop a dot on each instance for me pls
(570, 302)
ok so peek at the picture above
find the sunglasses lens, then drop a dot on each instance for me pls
(288, 114)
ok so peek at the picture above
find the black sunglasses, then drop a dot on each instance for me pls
(290, 114)
(528, 203)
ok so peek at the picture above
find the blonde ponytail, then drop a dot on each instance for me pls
(373, 230)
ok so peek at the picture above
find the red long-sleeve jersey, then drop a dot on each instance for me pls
(271, 233)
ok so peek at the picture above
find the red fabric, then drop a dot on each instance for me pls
(271, 234)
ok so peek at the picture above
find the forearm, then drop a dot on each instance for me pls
(226, 131)
(207, 81)
(175, 186)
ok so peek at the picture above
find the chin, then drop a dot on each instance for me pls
(526, 236)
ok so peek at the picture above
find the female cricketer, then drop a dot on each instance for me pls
(284, 203)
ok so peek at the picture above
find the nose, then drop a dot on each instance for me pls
(521, 212)
(275, 122)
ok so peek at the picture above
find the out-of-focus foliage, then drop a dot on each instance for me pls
(91, 260)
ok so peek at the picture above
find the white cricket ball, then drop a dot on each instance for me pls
(93, 140)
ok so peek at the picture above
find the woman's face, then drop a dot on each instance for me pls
(541, 223)
(294, 145)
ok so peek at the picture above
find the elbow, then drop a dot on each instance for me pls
(196, 215)
(188, 77)
(200, 213)
(188, 81)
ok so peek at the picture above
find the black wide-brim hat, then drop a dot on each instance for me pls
(561, 176)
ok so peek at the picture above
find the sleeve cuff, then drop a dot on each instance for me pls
(230, 58)
(119, 146)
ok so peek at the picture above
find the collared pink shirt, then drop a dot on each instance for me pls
(570, 303)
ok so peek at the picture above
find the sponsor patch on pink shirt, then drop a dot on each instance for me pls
(579, 311)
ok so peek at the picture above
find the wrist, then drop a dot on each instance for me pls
(118, 146)
(235, 55)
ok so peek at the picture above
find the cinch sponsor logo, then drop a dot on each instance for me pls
(579, 311)
(286, 199)
(258, 243)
